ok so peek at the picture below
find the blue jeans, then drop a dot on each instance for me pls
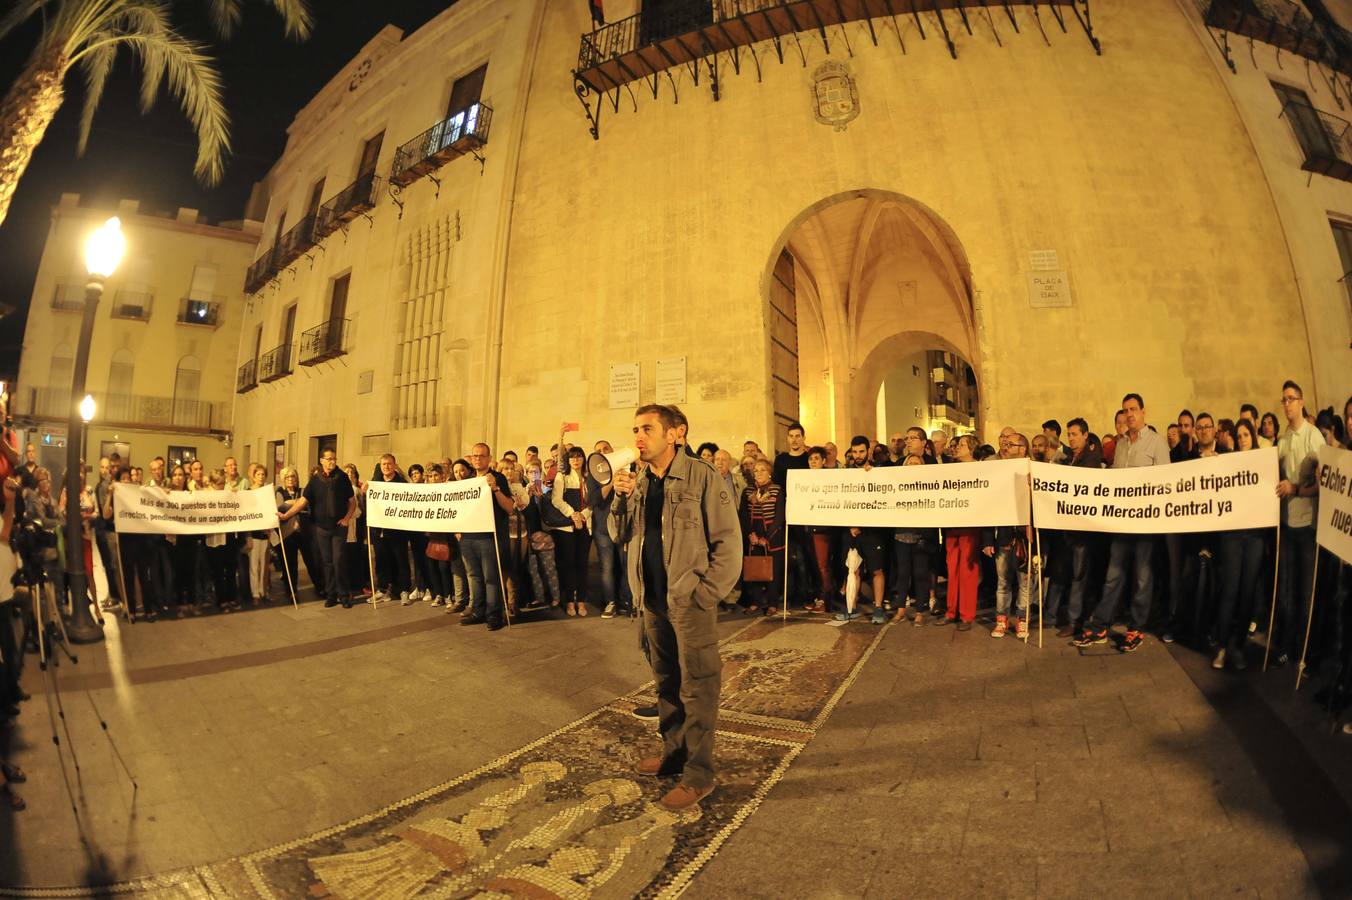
(1126, 550)
(1007, 571)
(481, 567)
(1076, 572)
(608, 555)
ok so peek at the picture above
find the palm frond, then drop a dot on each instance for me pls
(296, 17)
(20, 12)
(194, 81)
(96, 65)
(225, 15)
(150, 18)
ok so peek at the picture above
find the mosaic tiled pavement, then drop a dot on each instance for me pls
(562, 817)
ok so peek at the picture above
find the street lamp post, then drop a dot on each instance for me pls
(103, 251)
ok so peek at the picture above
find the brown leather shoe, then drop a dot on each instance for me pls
(1066, 631)
(652, 767)
(683, 796)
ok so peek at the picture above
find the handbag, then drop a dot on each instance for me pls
(439, 550)
(758, 568)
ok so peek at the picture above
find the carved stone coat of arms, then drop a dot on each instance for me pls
(835, 96)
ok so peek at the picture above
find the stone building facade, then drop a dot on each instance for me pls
(772, 212)
(166, 334)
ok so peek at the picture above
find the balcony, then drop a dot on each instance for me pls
(246, 379)
(295, 242)
(69, 298)
(132, 305)
(323, 342)
(347, 204)
(1325, 140)
(194, 311)
(127, 410)
(463, 132)
(274, 364)
(695, 33)
(261, 272)
(1281, 24)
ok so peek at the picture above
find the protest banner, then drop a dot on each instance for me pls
(459, 506)
(1218, 493)
(141, 509)
(964, 495)
(1334, 533)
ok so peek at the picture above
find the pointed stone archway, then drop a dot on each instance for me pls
(877, 278)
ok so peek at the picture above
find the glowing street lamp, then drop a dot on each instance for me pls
(103, 252)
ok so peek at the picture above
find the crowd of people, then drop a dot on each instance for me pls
(1208, 589)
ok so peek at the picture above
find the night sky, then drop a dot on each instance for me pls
(150, 158)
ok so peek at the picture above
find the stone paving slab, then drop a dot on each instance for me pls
(953, 766)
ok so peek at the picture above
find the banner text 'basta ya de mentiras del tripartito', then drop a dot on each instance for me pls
(1219, 493)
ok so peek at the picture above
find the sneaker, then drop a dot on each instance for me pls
(1001, 627)
(879, 617)
(1218, 662)
(1020, 628)
(405, 599)
(919, 620)
(379, 597)
(417, 594)
(1132, 642)
(847, 616)
(1167, 637)
(645, 712)
(609, 611)
(438, 600)
(1237, 659)
(330, 603)
(1090, 636)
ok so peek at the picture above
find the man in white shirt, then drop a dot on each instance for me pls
(1140, 446)
(1298, 455)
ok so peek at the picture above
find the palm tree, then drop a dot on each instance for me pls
(89, 34)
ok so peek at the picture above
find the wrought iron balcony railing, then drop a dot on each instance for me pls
(347, 204)
(465, 131)
(194, 311)
(325, 341)
(127, 410)
(246, 379)
(1282, 24)
(274, 364)
(69, 297)
(299, 239)
(695, 33)
(132, 305)
(261, 272)
(1325, 140)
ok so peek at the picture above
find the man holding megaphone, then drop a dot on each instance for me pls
(679, 523)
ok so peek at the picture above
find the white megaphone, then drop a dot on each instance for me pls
(602, 466)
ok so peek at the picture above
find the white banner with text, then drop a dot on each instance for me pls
(1218, 493)
(957, 495)
(1335, 502)
(140, 509)
(458, 506)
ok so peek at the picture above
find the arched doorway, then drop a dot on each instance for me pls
(869, 293)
